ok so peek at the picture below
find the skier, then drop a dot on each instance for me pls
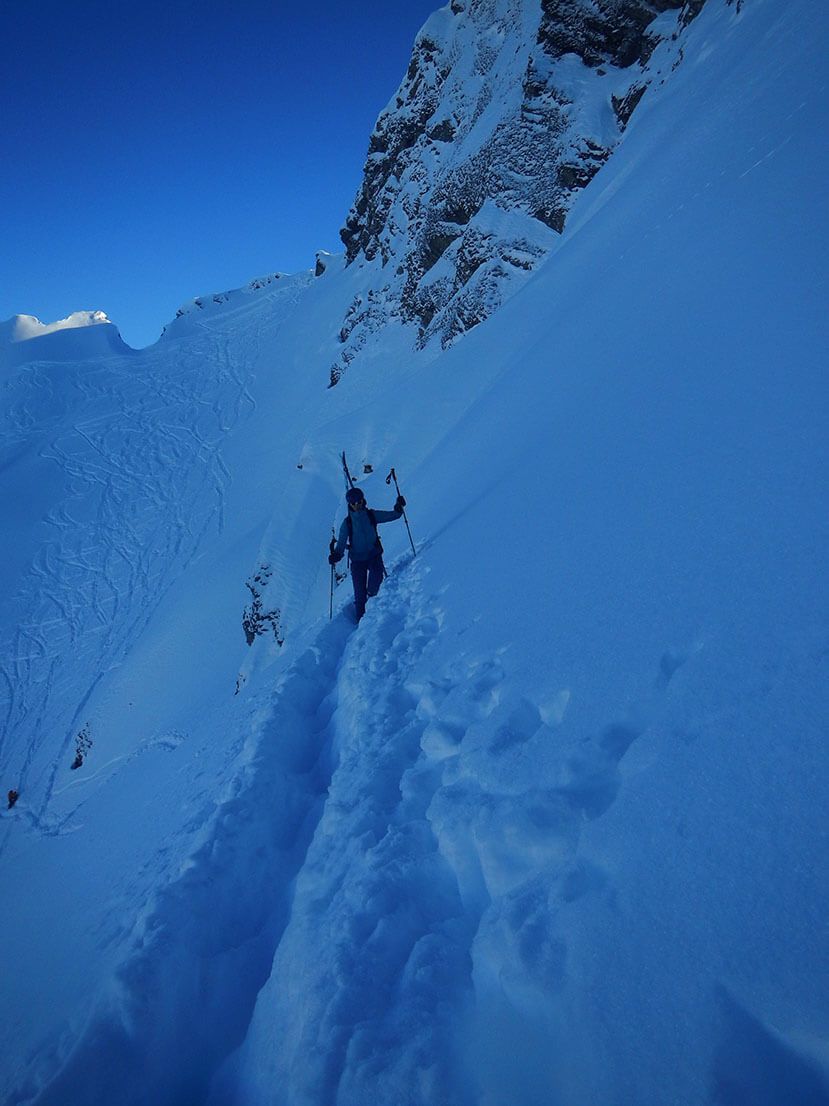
(359, 533)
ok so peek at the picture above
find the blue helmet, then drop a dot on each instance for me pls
(354, 495)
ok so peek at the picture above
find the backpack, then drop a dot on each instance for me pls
(373, 520)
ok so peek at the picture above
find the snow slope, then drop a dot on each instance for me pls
(549, 826)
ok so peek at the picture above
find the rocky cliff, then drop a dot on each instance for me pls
(508, 108)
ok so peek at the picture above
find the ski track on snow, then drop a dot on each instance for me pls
(459, 835)
(145, 486)
(439, 881)
(214, 928)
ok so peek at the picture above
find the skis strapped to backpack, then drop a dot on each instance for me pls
(349, 479)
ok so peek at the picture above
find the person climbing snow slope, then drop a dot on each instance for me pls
(359, 533)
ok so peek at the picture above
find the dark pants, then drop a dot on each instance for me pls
(367, 576)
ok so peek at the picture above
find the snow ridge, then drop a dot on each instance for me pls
(208, 310)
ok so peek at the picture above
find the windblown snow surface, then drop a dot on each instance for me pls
(550, 826)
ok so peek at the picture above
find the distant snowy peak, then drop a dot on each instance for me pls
(21, 328)
(81, 336)
(508, 108)
(203, 310)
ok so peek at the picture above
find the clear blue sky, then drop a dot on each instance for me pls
(154, 151)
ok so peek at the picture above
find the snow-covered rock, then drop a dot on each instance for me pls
(507, 110)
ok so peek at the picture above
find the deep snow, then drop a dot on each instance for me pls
(549, 826)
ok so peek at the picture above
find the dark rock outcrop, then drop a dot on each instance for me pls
(501, 119)
(256, 619)
(605, 32)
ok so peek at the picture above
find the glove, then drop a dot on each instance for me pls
(400, 503)
(334, 557)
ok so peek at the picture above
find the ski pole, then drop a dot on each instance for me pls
(331, 597)
(393, 476)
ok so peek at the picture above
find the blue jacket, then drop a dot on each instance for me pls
(363, 535)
